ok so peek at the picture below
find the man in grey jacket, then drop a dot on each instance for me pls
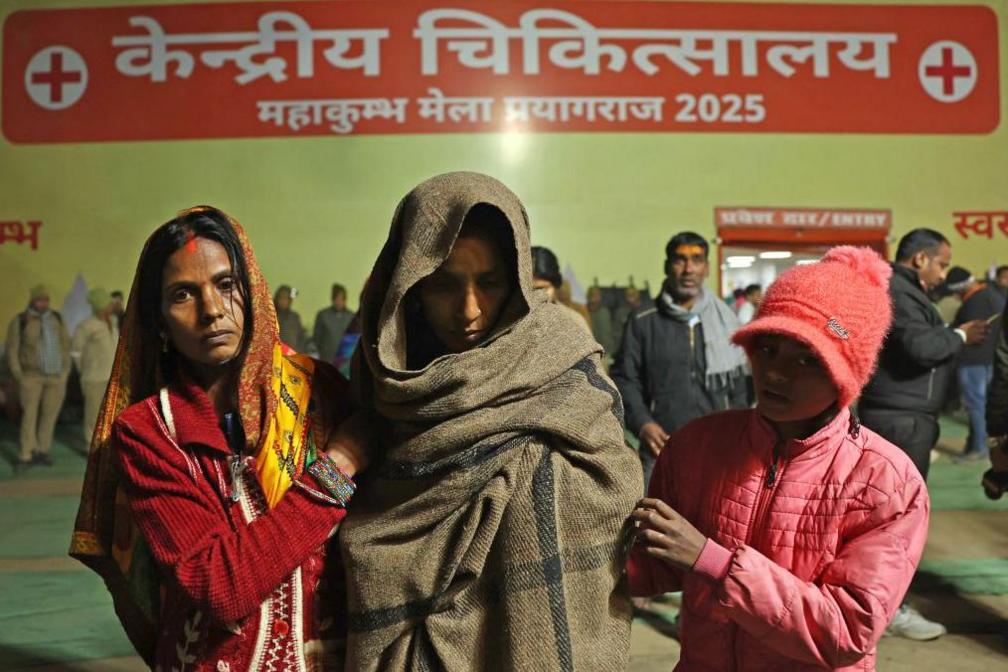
(38, 353)
(331, 323)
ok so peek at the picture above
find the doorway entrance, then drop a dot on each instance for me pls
(758, 244)
(744, 265)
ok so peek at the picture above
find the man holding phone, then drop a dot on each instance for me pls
(902, 400)
(980, 301)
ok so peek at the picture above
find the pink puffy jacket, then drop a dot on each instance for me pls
(812, 543)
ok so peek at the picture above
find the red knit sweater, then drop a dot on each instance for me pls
(241, 580)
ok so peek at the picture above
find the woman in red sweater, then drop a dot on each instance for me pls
(216, 479)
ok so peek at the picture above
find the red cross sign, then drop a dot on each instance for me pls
(56, 78)
(948, 71)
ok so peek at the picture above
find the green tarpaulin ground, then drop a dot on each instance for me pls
(53, 616)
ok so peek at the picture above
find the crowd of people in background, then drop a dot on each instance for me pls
(659, 358)
(675, 357)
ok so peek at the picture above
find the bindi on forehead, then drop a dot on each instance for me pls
(689, 251)
(197, 257)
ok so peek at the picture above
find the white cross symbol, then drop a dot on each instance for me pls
(947, 71)
(56, 78)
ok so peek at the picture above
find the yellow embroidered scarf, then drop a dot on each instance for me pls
(283, 456)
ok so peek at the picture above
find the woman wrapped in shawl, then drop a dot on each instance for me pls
(215, 479)
(490, 536)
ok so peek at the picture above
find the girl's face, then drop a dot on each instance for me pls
(791, 382)
(463, 299)
(201, 303)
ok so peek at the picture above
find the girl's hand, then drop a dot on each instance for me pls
(665, 534)
(350, 445)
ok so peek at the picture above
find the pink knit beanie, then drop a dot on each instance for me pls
(839, 307)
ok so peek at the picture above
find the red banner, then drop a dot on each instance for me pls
(333, 67)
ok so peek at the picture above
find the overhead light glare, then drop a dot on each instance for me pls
(782, 254)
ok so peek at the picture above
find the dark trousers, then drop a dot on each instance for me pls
(914, 433)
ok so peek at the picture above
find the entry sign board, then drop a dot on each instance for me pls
(802, 218)
(420, 66)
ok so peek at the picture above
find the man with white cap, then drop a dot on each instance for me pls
(93, 350)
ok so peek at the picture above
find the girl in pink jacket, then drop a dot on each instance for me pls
(792, 531)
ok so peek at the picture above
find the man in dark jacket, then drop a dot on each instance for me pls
(997, 411)
(1001, 279)
(676, 362)
(980, 301)
(902, 400)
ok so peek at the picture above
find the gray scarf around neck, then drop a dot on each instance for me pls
(725, 361)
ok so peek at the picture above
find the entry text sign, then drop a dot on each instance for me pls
(314, 68)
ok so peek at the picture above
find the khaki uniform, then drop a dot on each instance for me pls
(93, 348)
(41, 395)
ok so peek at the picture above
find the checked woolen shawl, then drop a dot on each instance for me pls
(490, 535)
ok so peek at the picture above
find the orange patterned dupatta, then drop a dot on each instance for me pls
(105, 537)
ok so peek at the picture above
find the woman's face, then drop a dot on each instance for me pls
(201, 303)
(463, 299)
(791, 382)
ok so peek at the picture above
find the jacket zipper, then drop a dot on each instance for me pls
(931, 383)
(763, 499)
(766, 492)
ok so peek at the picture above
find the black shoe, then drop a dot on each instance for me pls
(21, 466)
(42, 458)
(995, 483)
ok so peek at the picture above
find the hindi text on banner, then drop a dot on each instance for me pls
(150, 55)
(482, 42)
(342, 115)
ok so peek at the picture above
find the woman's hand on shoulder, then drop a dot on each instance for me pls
(351, 444)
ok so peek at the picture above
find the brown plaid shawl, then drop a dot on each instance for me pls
(489, 536)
